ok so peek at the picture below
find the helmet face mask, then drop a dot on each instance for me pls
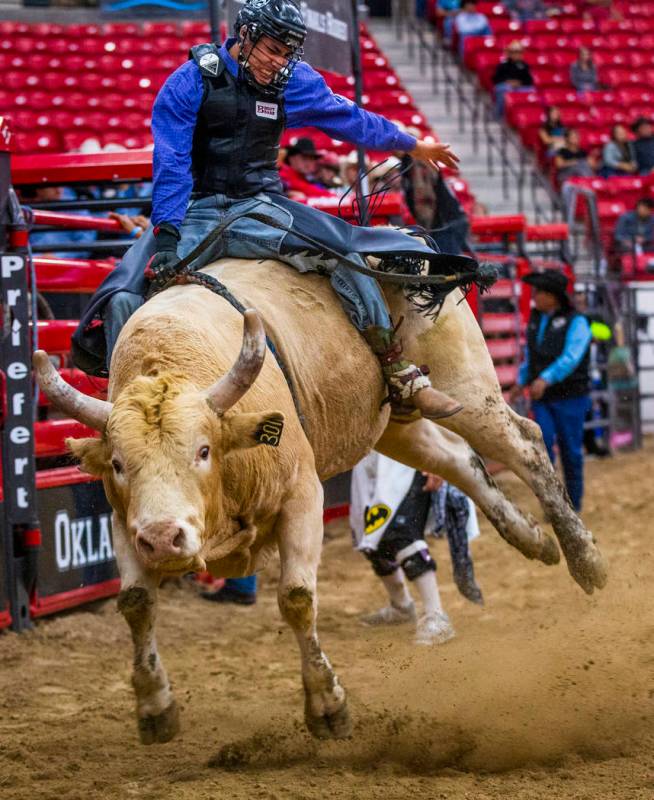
(280, 20)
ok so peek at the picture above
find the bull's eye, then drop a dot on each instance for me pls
(117, 466)
(204, 452)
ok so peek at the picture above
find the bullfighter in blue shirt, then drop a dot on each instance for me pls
(217, 124)
(555, 369)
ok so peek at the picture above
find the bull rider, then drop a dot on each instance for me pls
(217, 124)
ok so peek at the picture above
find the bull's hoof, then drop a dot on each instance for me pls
(159, 728)
(334, 725)
(549, 553)
(589, 568)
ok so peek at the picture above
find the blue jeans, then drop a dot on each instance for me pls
(563, 421)
(359, 294)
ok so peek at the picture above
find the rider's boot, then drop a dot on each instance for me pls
(410, 391)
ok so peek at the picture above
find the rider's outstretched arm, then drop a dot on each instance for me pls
(310, 102)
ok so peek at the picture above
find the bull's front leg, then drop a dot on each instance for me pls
(156, 710)
(300, 532)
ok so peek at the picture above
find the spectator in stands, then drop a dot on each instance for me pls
(634, 230)
(134, 225)
(385, 173)
(54, 243)
(470, 22)
(644, 145)
(298, 169)
(328, 173)
(571, 160)
(303, 157)
(350, 168)
(555, 371)
(583, 73)
(447, 10)
(525, 10)
(511, 75)
(552, 131)
(599, 10)
(619, 155)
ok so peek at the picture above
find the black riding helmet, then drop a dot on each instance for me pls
(281, 20)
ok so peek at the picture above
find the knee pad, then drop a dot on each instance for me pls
(415, 560)
(381, 566)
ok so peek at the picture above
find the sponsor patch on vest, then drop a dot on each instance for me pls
(267, 110)
(558, 322)
(210, 61)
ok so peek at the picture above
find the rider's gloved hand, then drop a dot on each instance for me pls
(163, 266)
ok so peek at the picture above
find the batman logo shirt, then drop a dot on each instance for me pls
(376, 516)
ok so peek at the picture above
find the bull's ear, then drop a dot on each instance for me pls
(91, 453)
(241, 431)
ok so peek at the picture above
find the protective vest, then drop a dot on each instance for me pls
(237, 135)
(550, 348)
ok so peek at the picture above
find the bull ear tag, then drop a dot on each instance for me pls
(270, 431)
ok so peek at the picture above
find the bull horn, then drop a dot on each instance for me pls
(229, 389)
(87, 410)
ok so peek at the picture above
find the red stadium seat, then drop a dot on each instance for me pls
(121, 30)
(560, 97)
(514, 101)
(532, 26)
(384, 101)
(83, 31)
(608, 213)
(73, 139)
(598, 98)
(607, 116)
(477, 44)
(577, 25)
(160, 29)
(380, 80)
(548, 77)
(593, 138)
(23, 119)
(45, 141)
(196, 28)
(503, 25)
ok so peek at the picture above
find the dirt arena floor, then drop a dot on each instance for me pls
(544, 693)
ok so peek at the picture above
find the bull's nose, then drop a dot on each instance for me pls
(161, 540)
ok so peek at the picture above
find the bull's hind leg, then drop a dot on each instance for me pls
(422, 445)
(156, 710)
(499, 433)
(457, 353)
(300, 530)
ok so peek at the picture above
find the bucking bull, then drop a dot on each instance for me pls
(205, 460)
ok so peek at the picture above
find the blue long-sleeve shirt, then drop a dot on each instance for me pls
(308, 102)
(577, 340)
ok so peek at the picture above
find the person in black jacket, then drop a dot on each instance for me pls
(555, 371)
(511, 75)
